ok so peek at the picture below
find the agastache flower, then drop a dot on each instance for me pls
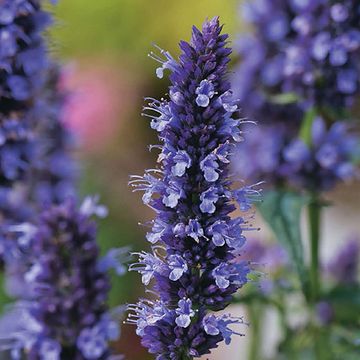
(205, 92)
(226, 274)
(194, 230)
(182, 162)
(220, 325)
(208, 200)
(159, 114)
(169, 62)
(50, 179)
(65, 314)
(184, 313)
(209, 166)
(147, 266)
(193, 265)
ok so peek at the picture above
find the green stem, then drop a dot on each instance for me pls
(314, 213)
(186, 357)
(282, 315)
(255, 314)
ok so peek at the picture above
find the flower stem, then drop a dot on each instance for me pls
(314, 213)
(255, 311)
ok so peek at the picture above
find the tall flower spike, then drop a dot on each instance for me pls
(63, 314)
(193, 262)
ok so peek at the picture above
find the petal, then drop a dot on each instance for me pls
(183, 321)
(202, 100)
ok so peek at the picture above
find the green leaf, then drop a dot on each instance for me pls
(344, 342)
(306, 127)
(4, 298)
(334, 113)
(355, 156)
(345, 301)
(297, 345)
(284, 99)
(282, 210)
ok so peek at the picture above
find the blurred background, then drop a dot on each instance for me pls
(104, 46)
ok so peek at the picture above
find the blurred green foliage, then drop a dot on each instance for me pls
(129, 27)
(116, 230)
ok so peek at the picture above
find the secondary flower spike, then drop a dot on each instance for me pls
(35, 165)
(63, 313)
(24, 61)
(307, 49)
(194, 239)
(54, 176)
(35, 162)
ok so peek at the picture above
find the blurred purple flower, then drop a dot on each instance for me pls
(344, 267)
(24, 61)
(53, 178)
(63, 298)
(307, 48)
(271, 260)
(278, 156)
(35, 165)
(324, 312)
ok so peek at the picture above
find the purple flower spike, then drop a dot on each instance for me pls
(193, 262)
(63, 311)
(304, 48)
(35, 164)
(324, 312)
(24, 72)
